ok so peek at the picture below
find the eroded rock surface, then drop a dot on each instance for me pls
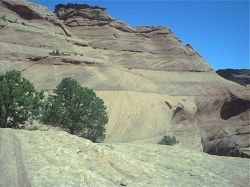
(152, 84)
(56, 158)
(166, 52)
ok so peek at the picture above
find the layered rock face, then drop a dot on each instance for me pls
(152, 84)
(159, 44)
(240, 76)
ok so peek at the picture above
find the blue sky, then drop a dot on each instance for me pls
(218, 30)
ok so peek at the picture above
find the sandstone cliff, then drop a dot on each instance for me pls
(146, 47)
(152, 83)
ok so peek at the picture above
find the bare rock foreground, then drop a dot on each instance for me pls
(152, 84)
(56, 158)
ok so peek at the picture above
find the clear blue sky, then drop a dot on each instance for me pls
(218, 30)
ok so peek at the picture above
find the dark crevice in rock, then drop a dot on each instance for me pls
(144, 35)
(77, 62)
(86, 16)
(115, 35)
(36, 59)
(74, 62)
(137, 51)
(234, 108)
(69, 24)
(121, 28)
(178, 109)
(149, 29)
(133, 51)
(180, 115)
(23, 11)
(77, 6)
(80, 44)
(62, 27)
(169, 106)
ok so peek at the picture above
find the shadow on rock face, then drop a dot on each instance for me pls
(23, 11)
(224, 126)
(226, 146)
(234, 108)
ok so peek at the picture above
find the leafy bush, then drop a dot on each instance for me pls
(55, 53)
(76, 109)
(58, 53)
(168, 140)
(19, 100)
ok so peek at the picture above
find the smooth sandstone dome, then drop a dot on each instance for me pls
(152, 83)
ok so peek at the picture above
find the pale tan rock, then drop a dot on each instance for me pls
(151, 83)
(94, 25)
(125, 165)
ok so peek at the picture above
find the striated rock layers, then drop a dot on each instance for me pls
(152, 84)
(166, 52)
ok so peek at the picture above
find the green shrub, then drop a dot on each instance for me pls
(19, 100)
(55, 53)
(168, 140)
(76, 109)
(58, 53)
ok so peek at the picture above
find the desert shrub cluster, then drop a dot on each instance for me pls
(72, 107)
(58, 53)
(168, 140)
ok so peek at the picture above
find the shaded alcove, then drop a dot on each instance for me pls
(234, 108)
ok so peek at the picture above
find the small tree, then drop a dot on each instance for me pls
(76, 109)
(19, 100)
